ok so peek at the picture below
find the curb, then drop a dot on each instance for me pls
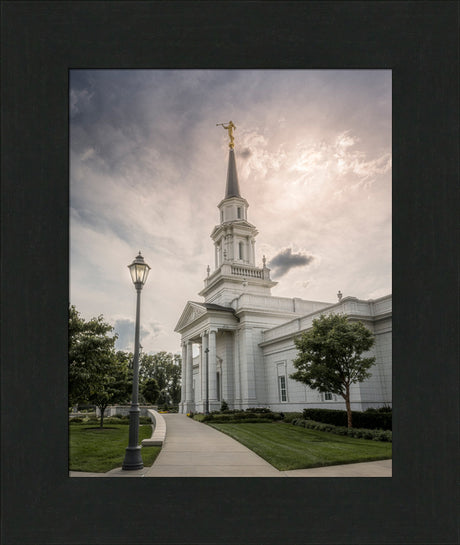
(159, 431)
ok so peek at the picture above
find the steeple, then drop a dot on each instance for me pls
(232, 189)
(234, 245)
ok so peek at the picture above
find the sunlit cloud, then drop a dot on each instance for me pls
(148, 168)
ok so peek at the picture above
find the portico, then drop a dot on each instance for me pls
(206, 326)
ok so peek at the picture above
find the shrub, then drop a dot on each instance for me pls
(289, 417)
(341, 430)
(224, 406)
(369, 420)
(113, 420)
(252, 420)
(258, 410)
(358, 433)
(241, 416)
(384, 409)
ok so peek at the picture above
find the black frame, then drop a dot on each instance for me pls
(41, 41)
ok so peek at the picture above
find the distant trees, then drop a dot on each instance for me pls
(101, 376)
(150, 390)
(165, 368)
(329, 356)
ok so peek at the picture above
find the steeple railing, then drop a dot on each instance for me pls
(241, 270)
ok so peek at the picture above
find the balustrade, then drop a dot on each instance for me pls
(239, 270)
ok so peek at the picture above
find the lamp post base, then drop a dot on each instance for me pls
(133, 459)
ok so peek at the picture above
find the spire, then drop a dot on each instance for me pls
(232, 189)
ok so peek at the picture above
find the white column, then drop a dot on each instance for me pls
(253, 252)
(212, 369)
(228, 392)
(204, 345)
(231, 248)
(189, 373)
(198, 388)
(183, 377)
(237, 374)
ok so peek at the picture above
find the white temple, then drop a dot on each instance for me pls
(246, 336)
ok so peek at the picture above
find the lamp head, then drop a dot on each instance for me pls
(139, 271)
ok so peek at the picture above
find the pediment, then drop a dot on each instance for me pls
(191, 313)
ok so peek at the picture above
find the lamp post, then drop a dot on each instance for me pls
(133, 460)
(207, 380)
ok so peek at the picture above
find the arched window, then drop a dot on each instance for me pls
(239, 212)
(240, 250)
(221, 216)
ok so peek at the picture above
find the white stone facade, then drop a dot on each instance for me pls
(245, 336)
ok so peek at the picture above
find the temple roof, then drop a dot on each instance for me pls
(232, 189)
(212, 306)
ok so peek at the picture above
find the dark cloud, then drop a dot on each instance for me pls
(245, 153)
(285, 260)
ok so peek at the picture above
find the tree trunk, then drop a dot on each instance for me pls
(347, 403)
(102, 409)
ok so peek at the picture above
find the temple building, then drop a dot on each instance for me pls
(245, 336)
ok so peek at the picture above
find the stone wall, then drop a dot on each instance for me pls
(123, 410)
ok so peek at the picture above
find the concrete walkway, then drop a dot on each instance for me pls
(192, 449)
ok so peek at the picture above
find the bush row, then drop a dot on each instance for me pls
(236, 420)
(358, 433)
(289, 417)
(385, 409)
(252, 410)
(116, 419)
(369, 420)
(242, 416)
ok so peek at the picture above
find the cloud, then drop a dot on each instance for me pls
(285, 260)
(125, 328)
(148, 168)
(245, 153)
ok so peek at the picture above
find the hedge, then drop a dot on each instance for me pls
(241, 417)
(369, 420)
(116, 419)
(289, 417)
(358, 433)
(237, 420)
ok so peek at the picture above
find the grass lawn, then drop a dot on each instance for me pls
(99, 450)
(286, 446)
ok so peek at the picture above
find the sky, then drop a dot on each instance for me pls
(148, 168)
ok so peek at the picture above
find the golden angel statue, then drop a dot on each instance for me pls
(229, 128)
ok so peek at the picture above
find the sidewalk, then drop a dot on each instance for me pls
(192, 449)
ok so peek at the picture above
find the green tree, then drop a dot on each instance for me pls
(165, 368)
(116, 386)
(97, 374)
(150, 390)
(329, 356)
